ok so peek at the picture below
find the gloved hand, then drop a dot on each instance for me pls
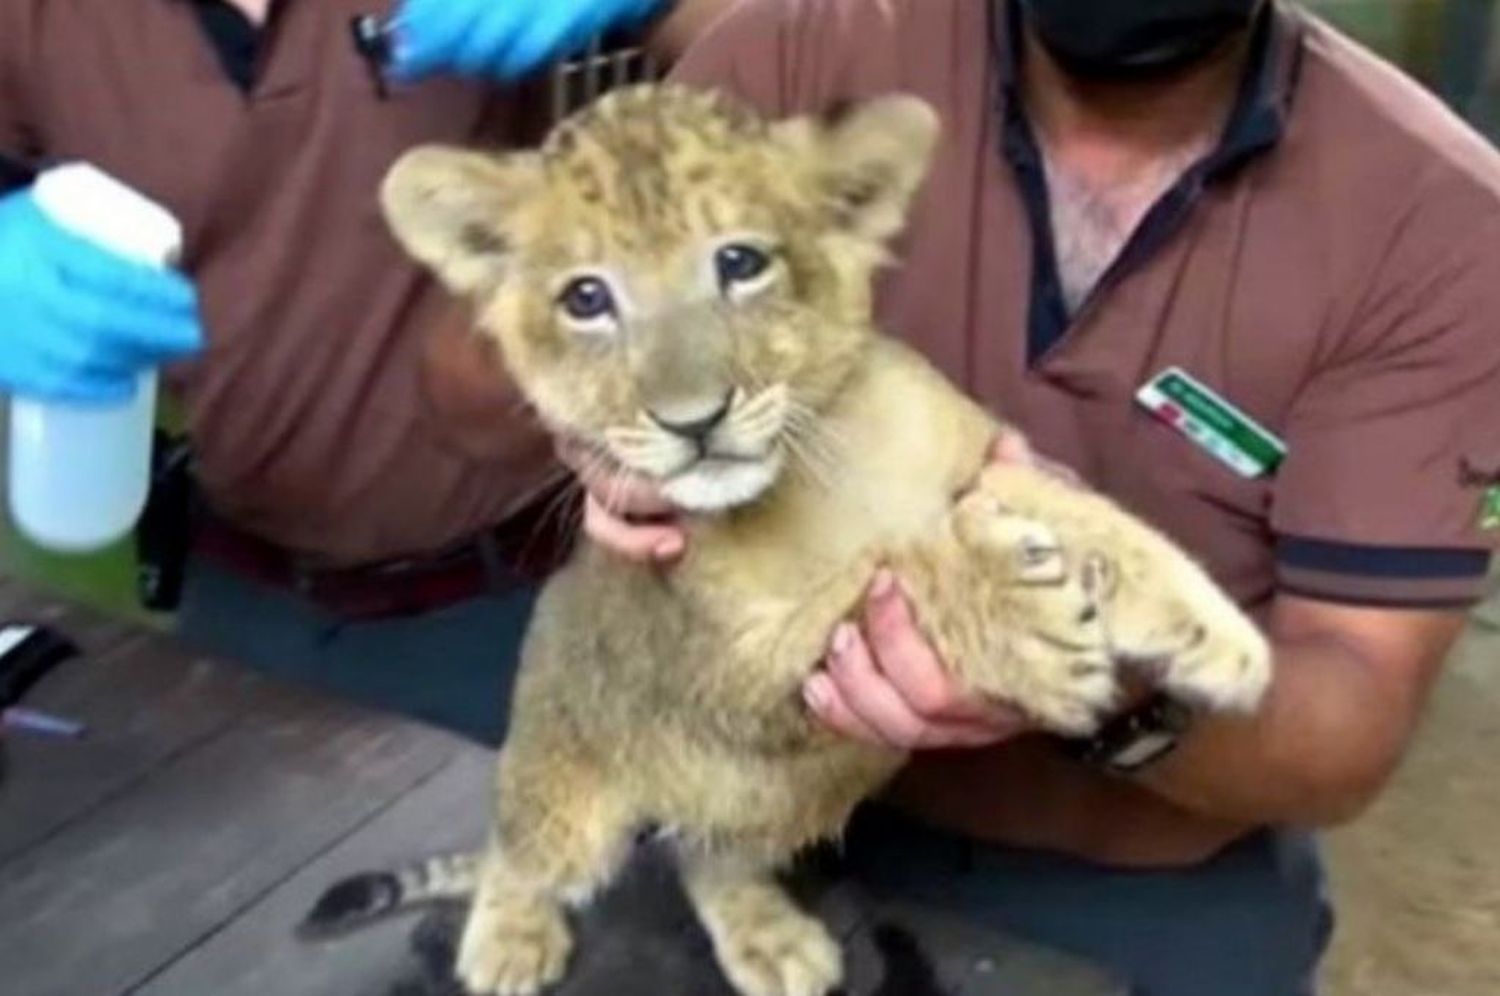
(500, 39)
(78, 322)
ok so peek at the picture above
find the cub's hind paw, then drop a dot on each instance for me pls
(784, 953)
(513, 951)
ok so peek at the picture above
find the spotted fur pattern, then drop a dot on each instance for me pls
(685, 288)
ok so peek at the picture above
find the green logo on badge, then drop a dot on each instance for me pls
(1489, 515)
(1223, 431)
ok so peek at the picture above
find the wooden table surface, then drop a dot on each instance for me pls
(172, 851)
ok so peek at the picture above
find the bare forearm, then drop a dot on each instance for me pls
(1026, 793)
(1324, 742)
(1328, 736)
(1349, 687)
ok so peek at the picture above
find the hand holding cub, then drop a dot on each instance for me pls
(881, 681)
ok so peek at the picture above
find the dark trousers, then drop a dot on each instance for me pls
(1253, 921)
(452, 668)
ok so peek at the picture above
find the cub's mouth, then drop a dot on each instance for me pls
(719, 459)
(714, 483)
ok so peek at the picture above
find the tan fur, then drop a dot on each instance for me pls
(672, 698)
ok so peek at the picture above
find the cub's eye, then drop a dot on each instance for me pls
(737, 263)
(587, 299)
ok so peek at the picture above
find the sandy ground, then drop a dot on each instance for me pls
(1417, 879)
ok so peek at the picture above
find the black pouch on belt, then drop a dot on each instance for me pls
(164, 534)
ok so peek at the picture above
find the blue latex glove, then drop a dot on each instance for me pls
(78, 322)
(500, 39)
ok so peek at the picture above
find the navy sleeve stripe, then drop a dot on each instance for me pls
(1382, 561)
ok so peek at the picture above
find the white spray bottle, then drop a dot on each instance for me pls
(79, 474)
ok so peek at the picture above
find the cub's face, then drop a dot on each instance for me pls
(675, 283)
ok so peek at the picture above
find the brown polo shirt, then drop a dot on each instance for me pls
(1332, 270)
(310, 410)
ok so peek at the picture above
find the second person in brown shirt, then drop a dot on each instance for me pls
(1228, 205)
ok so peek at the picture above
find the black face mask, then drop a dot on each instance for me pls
(1123, 39)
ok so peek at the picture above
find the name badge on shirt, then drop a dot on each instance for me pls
(1489, 514)
(1217, 427)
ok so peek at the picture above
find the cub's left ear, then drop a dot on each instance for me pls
(872, 160)
(455, 211)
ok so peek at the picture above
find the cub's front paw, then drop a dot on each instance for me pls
(1224, 665)
(781, 953)
(1067, 694)
(513, 951)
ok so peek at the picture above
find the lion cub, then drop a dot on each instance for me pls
(685, 288)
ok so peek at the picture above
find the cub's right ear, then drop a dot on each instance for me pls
(872, 160)
(456, 211)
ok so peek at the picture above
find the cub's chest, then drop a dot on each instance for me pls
(803, 536)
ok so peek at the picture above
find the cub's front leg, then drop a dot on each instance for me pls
(1158, 607)
(1196, 644)
(1037, 591)
(1014, 618)
(560, 834)
(765, 945)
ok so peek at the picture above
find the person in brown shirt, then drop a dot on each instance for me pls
(350, 536)
(1240, 274)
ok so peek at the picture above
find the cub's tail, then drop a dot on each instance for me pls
(359, 900)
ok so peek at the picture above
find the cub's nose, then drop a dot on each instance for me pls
(690, 425)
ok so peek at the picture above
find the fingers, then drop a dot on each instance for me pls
(887, 685)
(827, 702)
(623, 512)
(869, 694)
(573, 452)
(550, 33)
(87, 268)
(114, 336)
(75, 369)
(79, 387)
(490, 38)
(424, 33)
(1011, 447)
(115, 333)
(128, 313)
(828, 698)
(627, 495)
(618, 491)
(913, 666)
(643, 543)
(502, 41)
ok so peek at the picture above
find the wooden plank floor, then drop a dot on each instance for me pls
(253, 956)
(173, 851)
